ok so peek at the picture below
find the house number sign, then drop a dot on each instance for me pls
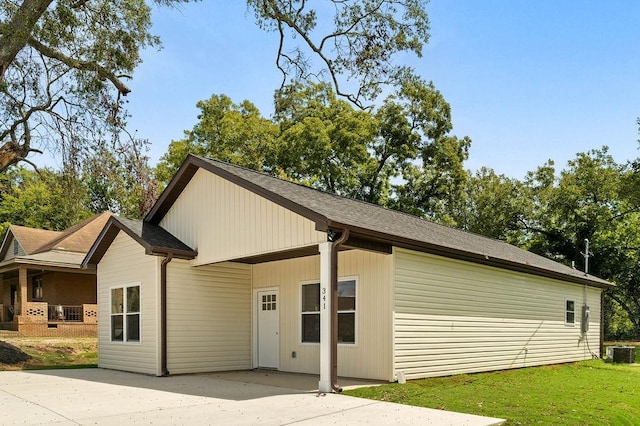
(324, 298)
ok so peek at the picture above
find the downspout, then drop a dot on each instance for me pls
(334, 309)
(602, 353)
(163, 314)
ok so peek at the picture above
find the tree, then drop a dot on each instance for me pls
(493, 206)
(64, 66)
(434, 179)
(323, 141)
(121, 182)
(593, 198)
(40, 200)
(231, 132)
(320, 140)
(359, 48)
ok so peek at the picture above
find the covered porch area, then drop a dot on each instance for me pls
(36, 300)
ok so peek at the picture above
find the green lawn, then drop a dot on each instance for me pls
(584, 393)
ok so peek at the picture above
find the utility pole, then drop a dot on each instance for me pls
(586, 255)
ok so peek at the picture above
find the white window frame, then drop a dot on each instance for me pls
(355, 312)
(567, 311)
(124, 314)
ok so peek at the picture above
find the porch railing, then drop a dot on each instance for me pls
(65, 313)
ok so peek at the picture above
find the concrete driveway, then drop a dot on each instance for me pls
(103, 397)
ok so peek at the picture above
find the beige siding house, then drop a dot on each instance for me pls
(235, 270)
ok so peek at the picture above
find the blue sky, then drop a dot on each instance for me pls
(527, 81)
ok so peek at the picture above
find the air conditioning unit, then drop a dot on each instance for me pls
(621, 354)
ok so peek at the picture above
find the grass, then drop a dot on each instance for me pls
(584, 393)
(47, 353)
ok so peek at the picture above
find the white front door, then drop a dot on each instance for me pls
(268, 329)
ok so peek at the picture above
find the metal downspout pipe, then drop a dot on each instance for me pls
(163, 314)
(334, 309)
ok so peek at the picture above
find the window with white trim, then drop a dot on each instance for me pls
(310, 315)
(570, 312)
(125, 313)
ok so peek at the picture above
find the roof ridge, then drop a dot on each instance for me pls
(68, 232)
(409, 215)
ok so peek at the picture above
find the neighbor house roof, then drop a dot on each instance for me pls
(155, 240)
(371, 222)
(30, 239)
(79, 237)
(44, 248)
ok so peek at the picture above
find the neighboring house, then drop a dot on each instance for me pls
(232, 269)
(44, 291)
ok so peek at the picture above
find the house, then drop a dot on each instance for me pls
(234, 270)
(44, 291)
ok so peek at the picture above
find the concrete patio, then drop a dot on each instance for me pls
(103, 397)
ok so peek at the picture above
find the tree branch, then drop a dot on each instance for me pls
(102, 72)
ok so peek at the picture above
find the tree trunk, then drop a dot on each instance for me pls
(10, 154)
(17, 32)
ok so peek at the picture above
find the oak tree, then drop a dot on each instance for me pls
(65, 65)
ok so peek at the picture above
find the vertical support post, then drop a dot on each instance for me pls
(324, 385)
(22, 280)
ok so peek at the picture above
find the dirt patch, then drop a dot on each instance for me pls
(47, 352)
(11, 355)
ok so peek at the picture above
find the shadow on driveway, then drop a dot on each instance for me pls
(104, 397)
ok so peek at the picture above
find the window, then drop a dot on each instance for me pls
(125, 314)
(268, 302)
(570, 312)
(15, 247)
(310, 321)
(37, 288)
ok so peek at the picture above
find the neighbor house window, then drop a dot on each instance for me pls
(15, 247)
(310, 315)
(125, 314)
(570, 312)
(37, 288)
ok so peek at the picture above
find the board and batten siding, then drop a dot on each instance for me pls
(126, 263)
(453, 317)
(208, 317)
(371, 356)
(224, 221)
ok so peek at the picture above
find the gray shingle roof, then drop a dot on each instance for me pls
(366, 220)
(154, 239)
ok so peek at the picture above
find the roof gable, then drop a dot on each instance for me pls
(155, 240)
(29, 239)
(61, 248)
(371, 222)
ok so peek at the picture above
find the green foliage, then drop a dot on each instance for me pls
(552, 214)
(64, 66)
(493, 207)
(590, 392)
(122, 183)
(399, 155)
(44, 200)
(323, 141)
(236, 133)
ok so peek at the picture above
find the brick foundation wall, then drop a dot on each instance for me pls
(27, 329)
